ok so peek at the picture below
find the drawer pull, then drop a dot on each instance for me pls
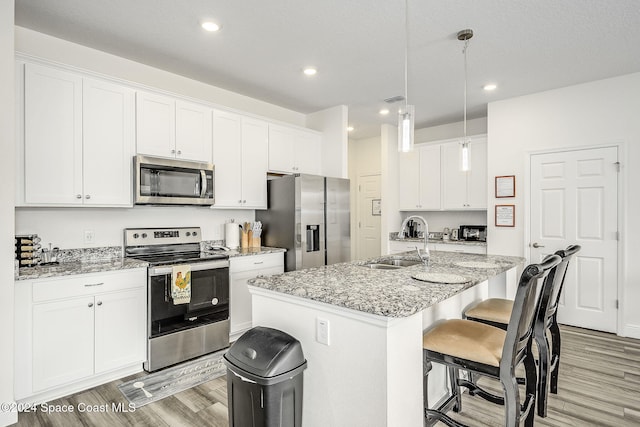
(259, 262)
(94, 284)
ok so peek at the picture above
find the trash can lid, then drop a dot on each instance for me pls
(266, 352)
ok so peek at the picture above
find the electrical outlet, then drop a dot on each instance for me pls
(89, 236)
(322, 331)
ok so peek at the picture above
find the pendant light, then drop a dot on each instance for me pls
(465, 149)
(406, 115)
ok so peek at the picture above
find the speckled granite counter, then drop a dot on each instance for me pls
(394, 237)
(95, 260)
(79, 267)
(389, 293)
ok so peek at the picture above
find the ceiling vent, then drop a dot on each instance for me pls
(393, 99)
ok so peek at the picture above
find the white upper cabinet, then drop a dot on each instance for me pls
(294, 150)
(240, 150)
(167, 127)
(78, 140)
(108, 143)
(52, 136)
(465, 190)
(419, 179)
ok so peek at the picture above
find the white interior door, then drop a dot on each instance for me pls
(368, 224)
(574, 199)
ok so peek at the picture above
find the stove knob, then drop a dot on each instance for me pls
(188, 234)
(144, 235)
(136, 235)
(195, 233)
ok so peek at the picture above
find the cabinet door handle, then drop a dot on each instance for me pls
(90, 305)
(244, 201)
(87, 196)
(99, 302)
(179, 152)
(259, 262)
(78, 196)
(173, 151)
(93, 284)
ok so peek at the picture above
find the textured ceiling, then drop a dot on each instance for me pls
(358, 47)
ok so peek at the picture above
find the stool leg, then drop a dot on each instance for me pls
(555, 354)
(455, 388)
(530, 373)
(543, 371)
(426, 368)
(511, 399)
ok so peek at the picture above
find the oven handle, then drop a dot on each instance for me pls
(198, 266)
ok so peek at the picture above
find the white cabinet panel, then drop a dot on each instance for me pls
(62, 342)
(79, 140)
(53, 136)
(108, 143)
(255, 152)
(193, 132)
(465, 190)
(240, 150)
(419, 179)
(452, 247)
(241, 270)
(294, 150)
(120, 331)
(155, 125)
(95, 324)
(168, 127)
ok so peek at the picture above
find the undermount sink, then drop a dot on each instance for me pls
(391, 263)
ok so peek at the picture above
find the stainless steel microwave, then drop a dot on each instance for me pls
(160, 181)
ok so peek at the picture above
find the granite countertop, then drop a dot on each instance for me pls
(389, 293)
(394, 237)
(69, 268)
(96, 260)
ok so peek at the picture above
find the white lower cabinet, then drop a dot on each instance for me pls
(241, 270)
(72, 332)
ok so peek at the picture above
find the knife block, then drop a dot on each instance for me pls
(247, 237)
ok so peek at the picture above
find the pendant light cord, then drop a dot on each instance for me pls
(464, 51)
(406, 55)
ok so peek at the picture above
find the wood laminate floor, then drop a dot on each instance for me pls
(599, 386)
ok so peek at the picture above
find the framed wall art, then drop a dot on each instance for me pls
(505, 215)
(505, 186)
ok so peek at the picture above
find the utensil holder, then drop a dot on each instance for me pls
(247, 236)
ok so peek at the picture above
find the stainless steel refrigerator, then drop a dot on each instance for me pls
(309, 216)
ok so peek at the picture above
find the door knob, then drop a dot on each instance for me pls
(536, 245)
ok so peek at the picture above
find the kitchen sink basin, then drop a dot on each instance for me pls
(391, 263)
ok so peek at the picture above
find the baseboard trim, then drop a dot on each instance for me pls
(632, 331)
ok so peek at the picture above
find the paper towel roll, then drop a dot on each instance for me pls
(232, 235)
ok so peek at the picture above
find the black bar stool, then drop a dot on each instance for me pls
(486, 350)
(497, 311)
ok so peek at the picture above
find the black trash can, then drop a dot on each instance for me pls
(264, 379)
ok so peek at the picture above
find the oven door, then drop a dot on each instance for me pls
(209, 298)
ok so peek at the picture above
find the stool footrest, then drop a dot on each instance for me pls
(433, 416)
(474, 390)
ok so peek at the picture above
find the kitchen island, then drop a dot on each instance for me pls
(361, 330)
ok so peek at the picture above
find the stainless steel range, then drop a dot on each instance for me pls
(187, 294)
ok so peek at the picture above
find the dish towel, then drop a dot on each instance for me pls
(181, 284)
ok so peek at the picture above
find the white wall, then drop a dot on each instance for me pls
(591, 114)
(364, 159)
(7, 173)
(37, 44)
(391, 217)
(332, 122)
(64, 227)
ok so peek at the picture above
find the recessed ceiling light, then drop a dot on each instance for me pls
(384, 111)
(211, 26)
(490, 86)
(310, 71)
(349, 128)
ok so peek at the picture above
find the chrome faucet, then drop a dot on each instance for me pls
(424, 258)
